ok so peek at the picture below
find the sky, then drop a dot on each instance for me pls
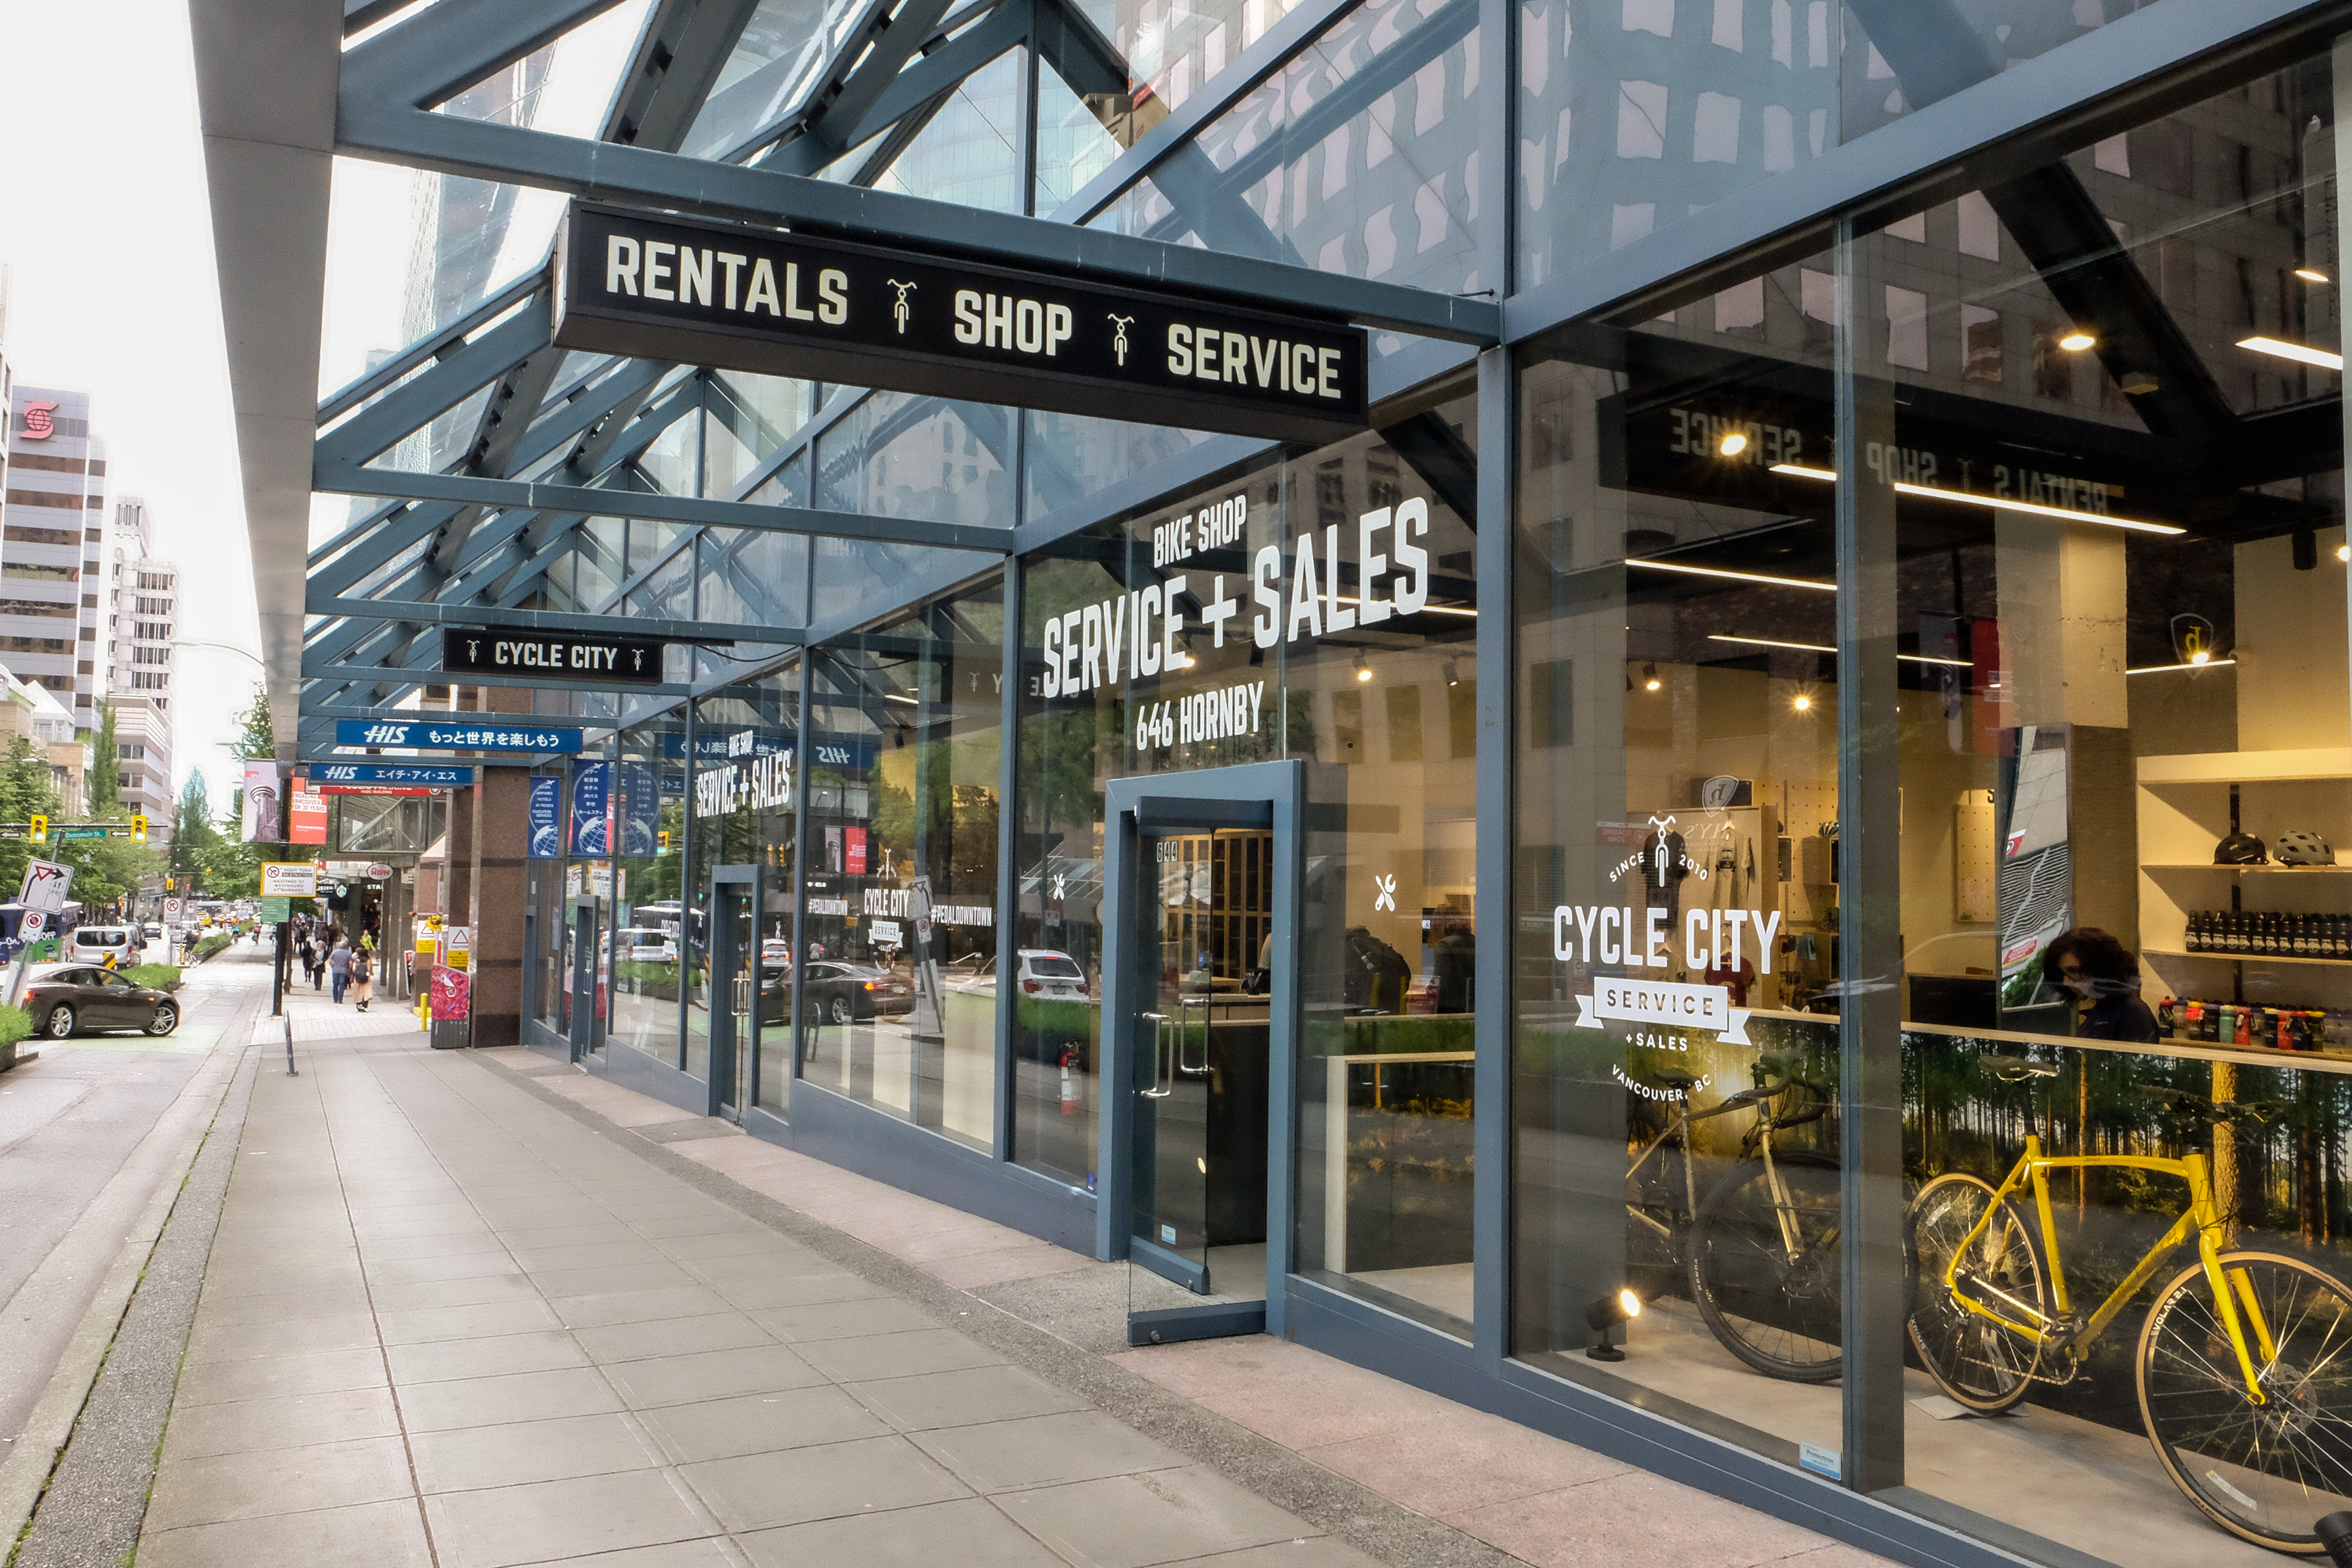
(107, 238)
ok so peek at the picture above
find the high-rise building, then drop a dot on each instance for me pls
(141, 595)
(52, 533)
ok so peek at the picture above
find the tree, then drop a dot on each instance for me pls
(193, 837)
(105, 779)
(255, 737)
(24, 792)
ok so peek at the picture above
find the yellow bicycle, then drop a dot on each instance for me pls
(2244, 1366)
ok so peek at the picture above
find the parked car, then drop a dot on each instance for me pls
(1043, 973)
(641, 944)
(95, 943)
(70, 998)
(839, 992)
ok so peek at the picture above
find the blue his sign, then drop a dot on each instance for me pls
(433, 775)
(437, 735)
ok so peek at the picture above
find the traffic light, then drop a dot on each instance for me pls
(40, 832)
(170, 884)
(665, 842)
(138, 829)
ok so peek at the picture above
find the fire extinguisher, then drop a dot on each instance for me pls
(1069, 1081)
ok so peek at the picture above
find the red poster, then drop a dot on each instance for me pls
(451, 995)
(855, 847)
(309, 823)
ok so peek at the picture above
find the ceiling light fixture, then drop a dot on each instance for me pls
(1650, 681)
(1821, 648)
(1362, 673)
(1734, 576)
(2344, 552)
(2296, 352)
(1798, 470)
(1453, 673)
(2205, 661)
(1802, 703)
(2075, 342)
(1733, 445)
(2313, 274)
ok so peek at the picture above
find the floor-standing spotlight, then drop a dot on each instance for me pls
(1606, 1314)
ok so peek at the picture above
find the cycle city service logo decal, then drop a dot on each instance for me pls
(1616, 998)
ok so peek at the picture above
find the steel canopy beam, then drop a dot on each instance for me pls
(372, 127)
(422, 612)
(353, 479)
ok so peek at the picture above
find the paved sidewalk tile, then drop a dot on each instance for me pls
(448, 1323)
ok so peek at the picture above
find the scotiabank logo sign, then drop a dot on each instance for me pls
(38, 425)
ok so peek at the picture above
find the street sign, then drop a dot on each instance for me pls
(379, 873)
(451, 735)
(46, 885)
(688, 291)
(289, 879)
(598, 661)
(171, 908)
(64, 832)
(276, 910)
(435, 775)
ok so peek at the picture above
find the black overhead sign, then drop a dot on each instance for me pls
(822, 309)
(595, 661)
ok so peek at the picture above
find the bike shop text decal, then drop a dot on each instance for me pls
(1615, 999)
(1215, 715)
(752, 777)
(1603, 934)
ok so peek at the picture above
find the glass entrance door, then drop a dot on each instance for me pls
(1200, 944)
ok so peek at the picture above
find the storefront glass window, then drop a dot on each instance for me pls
(2110, 472)
(1325, 611)
(1675, 1219)
(550, 981)
(646, 825)
(747, 766)
(904, 778)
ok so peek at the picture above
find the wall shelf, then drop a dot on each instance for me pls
(2250, 870)
(2246, 957)
(2318, 763)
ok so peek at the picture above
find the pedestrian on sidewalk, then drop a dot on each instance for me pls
(362, 978)
(338, 964)
(306, 952)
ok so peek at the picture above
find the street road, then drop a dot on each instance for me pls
(88, 1134)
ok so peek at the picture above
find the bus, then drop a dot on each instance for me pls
(12, 920)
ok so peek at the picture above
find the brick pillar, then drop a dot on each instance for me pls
(494, 868)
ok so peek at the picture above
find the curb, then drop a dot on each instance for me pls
(24, 1474)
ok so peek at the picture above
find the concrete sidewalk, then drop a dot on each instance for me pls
(479, 1308)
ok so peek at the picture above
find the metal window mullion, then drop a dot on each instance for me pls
(1491, 973)
(800, 863)
(1869, 936)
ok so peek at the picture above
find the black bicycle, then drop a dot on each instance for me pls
(1759, 1252)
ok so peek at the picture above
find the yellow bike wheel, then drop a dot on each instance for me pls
(1974, 1360)
(2266, 1472)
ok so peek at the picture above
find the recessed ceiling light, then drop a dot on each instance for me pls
(2075, 342)
(1802, 704)
(1733, 445)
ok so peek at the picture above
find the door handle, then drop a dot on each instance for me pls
(1160, 1054)
(1183, 1037)
(742, 996)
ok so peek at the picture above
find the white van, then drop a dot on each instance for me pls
(95, 943)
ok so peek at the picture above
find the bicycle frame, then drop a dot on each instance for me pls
(2202, 1218)
(1678, 1128)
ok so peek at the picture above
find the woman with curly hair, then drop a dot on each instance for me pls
(2103, 978)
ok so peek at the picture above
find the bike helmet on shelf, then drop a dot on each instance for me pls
(2239, 850)
(2304, 849)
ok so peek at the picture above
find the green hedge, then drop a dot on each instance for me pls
(16, 1025)
(160, 976)
(209, 945)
